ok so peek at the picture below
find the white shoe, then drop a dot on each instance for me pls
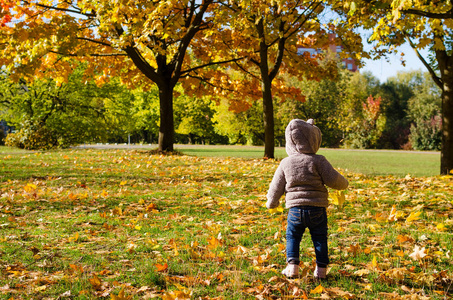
(291, 270)
(320, 273)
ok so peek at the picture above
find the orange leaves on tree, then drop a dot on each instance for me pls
(372, 107)
(5, 16)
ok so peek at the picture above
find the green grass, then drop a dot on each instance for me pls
(11, 150)
(369, 162)
(92, 223)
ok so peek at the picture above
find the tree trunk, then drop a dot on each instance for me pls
(446, 160)
(166, 129)
(445, 64)
(268, 116)
(266, 86)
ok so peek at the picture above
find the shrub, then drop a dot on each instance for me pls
(426, 135)
(32, 137)
(368, 129)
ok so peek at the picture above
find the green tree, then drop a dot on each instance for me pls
(48, 115)
(424, 25)
(244, 127)
(424, 113)
(194, 116)
(324, 100)
(143, 42)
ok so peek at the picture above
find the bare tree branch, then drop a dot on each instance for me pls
(87, 55)
(214, 63)
(94, 41)
(74, 11)
(431, 15)
(433, 74)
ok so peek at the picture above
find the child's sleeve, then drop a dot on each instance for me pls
(276, 188)
(331, 177)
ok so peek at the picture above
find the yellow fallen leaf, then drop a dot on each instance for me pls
(440, 227)
(213, 243)
(121, 296)
(392, 217)
(40, 288)
(374, 262)
(275, 210)
(318, 290)
(404, 238)
(341, 229)
(362, 272)
(176, 295)
(338, 198)
(95, 282)
(413, 216)
(74, 238)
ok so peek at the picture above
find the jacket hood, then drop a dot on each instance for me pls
(302, 137)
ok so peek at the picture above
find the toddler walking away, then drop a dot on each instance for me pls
(303, 177)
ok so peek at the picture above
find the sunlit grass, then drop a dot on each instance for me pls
(91, 223)
(368, 162)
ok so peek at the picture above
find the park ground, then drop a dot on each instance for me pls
(129, 223)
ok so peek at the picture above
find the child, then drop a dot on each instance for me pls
(303, 176)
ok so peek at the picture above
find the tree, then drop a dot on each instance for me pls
(194, 118)
(135, 40)
(325, 103)
(245, 127)
(274, 30)
(424, 25)
(50, 116)
(268, 35)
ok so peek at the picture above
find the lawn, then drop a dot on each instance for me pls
(130, 224)
(370, 162)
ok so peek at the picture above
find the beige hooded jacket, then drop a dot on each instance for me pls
(303, 175)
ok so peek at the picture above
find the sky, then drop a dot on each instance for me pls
(383, 69)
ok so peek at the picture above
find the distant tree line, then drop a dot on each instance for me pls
(353, 111)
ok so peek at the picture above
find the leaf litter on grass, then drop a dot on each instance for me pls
(130, 225)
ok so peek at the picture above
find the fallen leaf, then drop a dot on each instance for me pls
(413, 216)
(318, 290)
(95, 282)
(418, 253)
(276, 210)
(121, 296)
(161, 268)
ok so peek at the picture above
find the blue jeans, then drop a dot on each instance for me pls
(315, 219)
